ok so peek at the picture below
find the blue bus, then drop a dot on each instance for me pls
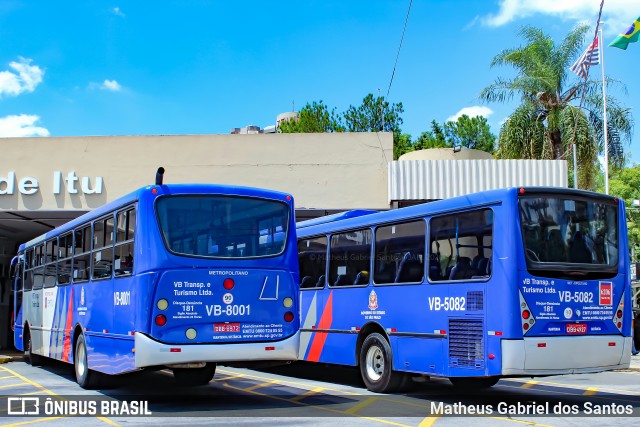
(518, 282)
(177, 276)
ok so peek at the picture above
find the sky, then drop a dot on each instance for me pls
(141, 67)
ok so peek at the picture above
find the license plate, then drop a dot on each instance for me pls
(226, 327)
(576, 328)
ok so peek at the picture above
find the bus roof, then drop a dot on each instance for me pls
(165, 189)
(335, 217)
(370, 218)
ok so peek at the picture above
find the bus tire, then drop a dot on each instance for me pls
(474, 383)
(376, 363)
(31, 358)
(85, 377)
(195, 376)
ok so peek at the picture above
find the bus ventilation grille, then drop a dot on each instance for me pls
(475, 300)
(466, 344)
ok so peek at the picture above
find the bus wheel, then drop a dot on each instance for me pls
(376, 362)
(474, 382)
(195, 376)
(32, 358)
(85, 377)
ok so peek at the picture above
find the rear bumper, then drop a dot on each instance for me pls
(153, 353)
(565, 355)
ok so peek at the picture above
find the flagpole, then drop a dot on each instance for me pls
(606, 128)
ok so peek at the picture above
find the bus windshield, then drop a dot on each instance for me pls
(569, 230)
(223, 226)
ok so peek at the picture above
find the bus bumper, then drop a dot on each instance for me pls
(565, 355)
(149, 352)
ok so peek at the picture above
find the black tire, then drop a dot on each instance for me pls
(474, 383)
(195, 376)
(85, 377)
(376, 363)
(30, 357)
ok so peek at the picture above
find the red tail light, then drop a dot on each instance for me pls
(161, 320)
(228, 283)
(288, 316)
(525, 326)
(619, 313)
(525, 314)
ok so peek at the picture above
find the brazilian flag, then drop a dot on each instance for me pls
(630, 36)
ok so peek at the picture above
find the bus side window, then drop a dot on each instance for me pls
(312, 259)
(399, 253)
(350, 258)
(81, 254)
(102, 259)
(125, 230)
(461, 246)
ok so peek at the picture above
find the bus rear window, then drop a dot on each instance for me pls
(223, 226)
(569, 230)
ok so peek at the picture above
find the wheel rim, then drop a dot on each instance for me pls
(81, 365)
(375, 363)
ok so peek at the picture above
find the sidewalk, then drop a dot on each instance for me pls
(635, 363)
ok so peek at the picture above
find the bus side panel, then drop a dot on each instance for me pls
(421, 355)
(33, 315)
(312, 308)
(95, 315)
(127, 298)
(57, 306)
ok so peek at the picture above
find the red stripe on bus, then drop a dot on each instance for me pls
(320, 337)
(66, 348)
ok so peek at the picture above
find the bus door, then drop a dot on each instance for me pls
(15, 273)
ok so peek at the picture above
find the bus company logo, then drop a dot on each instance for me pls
(606, 292)
(82, 296)
(373, 300)
(23, 406)
(227, 298)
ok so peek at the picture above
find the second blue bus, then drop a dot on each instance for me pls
(519, 282)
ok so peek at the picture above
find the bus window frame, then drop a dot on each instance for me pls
(461, 212)
(104, 219)
(68, 256)
(126, 210)
(81, 228)
(330, 236)
(424, 254)
(326, 261)
(53, 261)
(38, 250)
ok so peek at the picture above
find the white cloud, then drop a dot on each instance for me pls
(110, 85)
(474, 111)
(117, 11)
(20, 126)
(617, 14)
(24, 78)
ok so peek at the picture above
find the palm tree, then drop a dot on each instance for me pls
(548, 120)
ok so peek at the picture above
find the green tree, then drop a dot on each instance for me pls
(374, 115)
(401, 145)
(548, 120)
(471, 132)
(625, 184)
(313, 118)
(434, 138)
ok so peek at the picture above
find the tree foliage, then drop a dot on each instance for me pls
(547, 122)
(374, 115)
(625, 184)
(470, 132)
(313, 118)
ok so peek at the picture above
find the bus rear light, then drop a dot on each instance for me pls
(619, 314)
(521, 190)
(228, 283)
(288, 198)
(162, 304)
(269, 348)
(175, 350)
(287, 302)
(542, 344)
(527, 316)
(391, 330)
(288, 316)
(161, 320)
(612, 344)
(491, 356)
